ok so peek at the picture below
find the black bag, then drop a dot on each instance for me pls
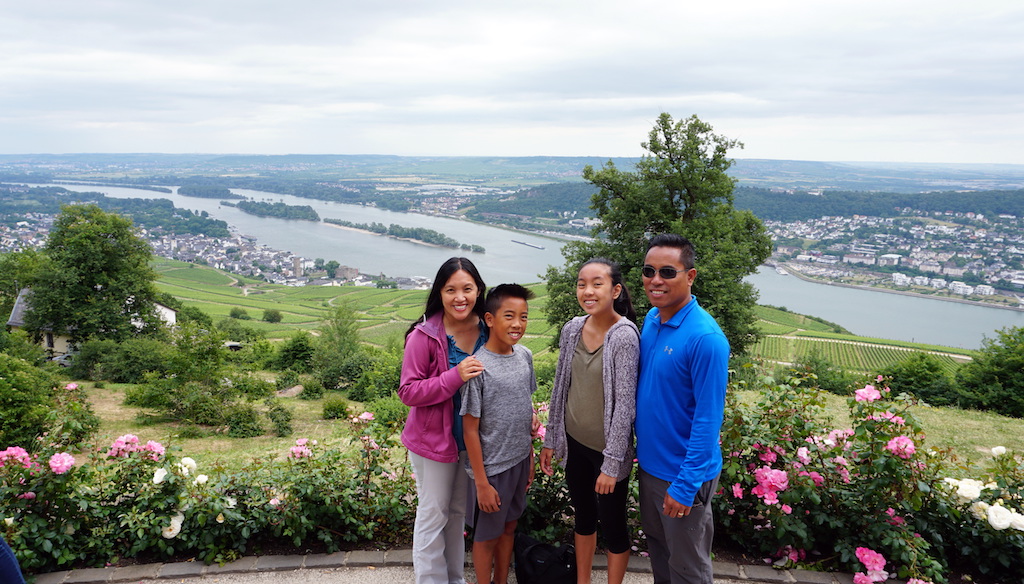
(543, 563)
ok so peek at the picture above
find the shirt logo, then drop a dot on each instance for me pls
(668, 349)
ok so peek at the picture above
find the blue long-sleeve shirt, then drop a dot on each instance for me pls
(684, 370)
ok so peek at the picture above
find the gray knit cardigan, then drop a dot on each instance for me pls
(619, 374)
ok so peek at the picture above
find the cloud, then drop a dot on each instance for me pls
(868, 80)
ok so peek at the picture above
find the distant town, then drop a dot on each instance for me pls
(237, 254)
(954, 255)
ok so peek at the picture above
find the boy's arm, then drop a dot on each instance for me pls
(486, 495)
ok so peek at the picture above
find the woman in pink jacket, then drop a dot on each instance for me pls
(438, 359)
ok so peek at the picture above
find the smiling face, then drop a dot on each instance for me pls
(459, 296)
(508, 324)
(668, 294)
(594, 289)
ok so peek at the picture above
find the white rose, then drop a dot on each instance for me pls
(1017, 521)
(201, 479)
(9, 521)
(980, 510)
(158, 476)
(998, 450)
(968, 490)
(172, 530)
(999, 517)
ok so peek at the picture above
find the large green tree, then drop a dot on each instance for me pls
(994, 379)
(97, 282)
(680, 185)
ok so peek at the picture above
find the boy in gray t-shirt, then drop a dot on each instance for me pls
(497, 414)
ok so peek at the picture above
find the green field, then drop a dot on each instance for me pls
(385, 315)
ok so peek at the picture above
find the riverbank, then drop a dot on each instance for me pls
(793, 271)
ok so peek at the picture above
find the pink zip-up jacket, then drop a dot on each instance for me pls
(427, 386)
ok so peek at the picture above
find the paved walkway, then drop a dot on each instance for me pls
(367, 567)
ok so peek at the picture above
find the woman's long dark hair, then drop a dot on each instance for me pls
(447, 269)
(623, 304)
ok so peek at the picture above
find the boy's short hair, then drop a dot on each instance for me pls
(499, 293)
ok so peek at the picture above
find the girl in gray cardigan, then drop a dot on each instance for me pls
(590, 421)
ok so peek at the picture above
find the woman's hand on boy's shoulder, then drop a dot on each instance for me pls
(469, 368)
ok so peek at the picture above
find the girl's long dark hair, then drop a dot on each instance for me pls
(623, 304)
(447, 269)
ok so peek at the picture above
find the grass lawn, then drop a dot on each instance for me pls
(970, 434)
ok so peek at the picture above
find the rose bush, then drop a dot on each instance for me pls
(870, 499)
(131, 499)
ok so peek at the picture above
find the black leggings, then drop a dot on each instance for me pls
(581, 471)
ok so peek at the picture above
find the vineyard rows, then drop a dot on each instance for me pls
(852, 356)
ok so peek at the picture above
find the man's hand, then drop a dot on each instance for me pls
(673, 508)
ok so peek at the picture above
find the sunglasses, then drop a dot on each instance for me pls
(666, 273)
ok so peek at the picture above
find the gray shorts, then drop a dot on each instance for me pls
(511, 487)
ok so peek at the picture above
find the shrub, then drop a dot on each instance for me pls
(296, 353)
(335, 407)
(272, 315)
(72, 421)
(389, 411)
(312, 388)
(380, 378)
(287, 379)
(793, 486)
(236, 331)
(994, 380)
(924, 376)
(237, 312)
(251, 385)
(26, 398)
(280, 417)
(827, 375)
(18, 343)
(244, 421)
(90, 353)
(130, 360)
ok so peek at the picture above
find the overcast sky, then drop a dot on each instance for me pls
(836, 80)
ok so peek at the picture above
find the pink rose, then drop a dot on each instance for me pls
(61, 462)
(901, 446)
(868, 393)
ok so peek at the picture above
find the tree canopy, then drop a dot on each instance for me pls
(680, 186)
(994, 380)
(96, 281)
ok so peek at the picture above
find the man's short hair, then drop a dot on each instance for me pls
(687, 254)
(499, 293)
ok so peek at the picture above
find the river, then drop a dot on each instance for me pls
(863, 312)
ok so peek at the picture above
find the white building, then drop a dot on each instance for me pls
(902, 280)
(958, 287)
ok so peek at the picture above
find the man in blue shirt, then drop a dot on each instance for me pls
(684, 369)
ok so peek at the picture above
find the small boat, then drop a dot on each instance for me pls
(780, 271)
(528, 244)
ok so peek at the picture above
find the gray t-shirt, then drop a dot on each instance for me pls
(501, 398)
